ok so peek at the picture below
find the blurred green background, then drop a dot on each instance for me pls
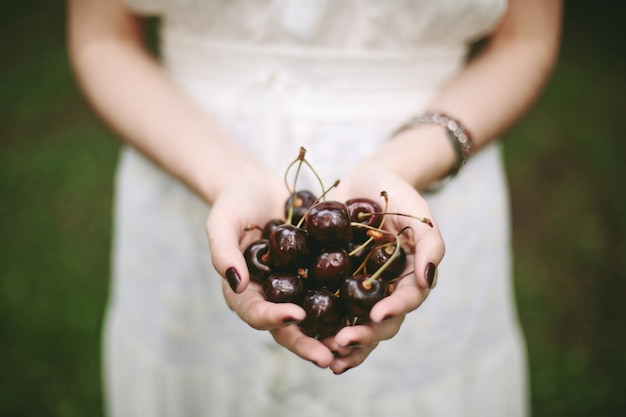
(567, 163)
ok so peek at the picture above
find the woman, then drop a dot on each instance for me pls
(241, 86)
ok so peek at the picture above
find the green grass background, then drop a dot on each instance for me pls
(567, 174)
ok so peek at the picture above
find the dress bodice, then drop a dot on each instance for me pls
(322, 59)
(365, 25)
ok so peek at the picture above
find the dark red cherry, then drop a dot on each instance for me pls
(359, 294)
(270, 226)
(257, 258)
(324, 314)
(364, 211)
(284, 288)
(289, 247)
(328, 223)
(383, 254)
(331, 267)
(301, 201)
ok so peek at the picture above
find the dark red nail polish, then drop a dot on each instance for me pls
(429, 273)
(233, 278)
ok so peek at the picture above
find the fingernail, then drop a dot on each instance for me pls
(430, 274)
(353, 344)
(233, 278)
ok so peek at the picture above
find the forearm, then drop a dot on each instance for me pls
(493, 92)
(130, 91)
(505, 78)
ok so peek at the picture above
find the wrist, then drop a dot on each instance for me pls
(221, 165)
(458, 137)
(421, 156)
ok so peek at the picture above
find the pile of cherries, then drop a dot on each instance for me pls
(332, 258)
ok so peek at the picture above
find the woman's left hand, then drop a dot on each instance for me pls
(353, 344)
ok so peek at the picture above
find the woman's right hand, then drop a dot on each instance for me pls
(239, 205)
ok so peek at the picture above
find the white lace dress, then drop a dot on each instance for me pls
(334, 77)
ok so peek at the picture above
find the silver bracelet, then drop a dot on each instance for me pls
(459, 136)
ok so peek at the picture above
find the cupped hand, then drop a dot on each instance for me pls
(280, 319)
(254, 203)
(408, 213)
(257, 202)
(353, 344)
(237, 208)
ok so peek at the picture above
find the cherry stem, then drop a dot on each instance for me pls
(367, 242)
(408, 229)
(292, 190)
(424, 220)
(371, 231)
(361, 246)
(369, 255)
(380, 270)
(298, 160)
(361, 215)
(319, 180)
(384, 195)
(301, 159)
